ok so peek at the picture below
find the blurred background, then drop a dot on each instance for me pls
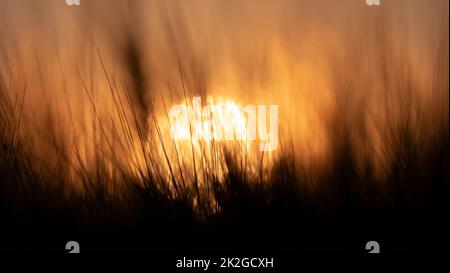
(363, 116)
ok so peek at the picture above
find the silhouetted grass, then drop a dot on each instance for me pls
(336, 205)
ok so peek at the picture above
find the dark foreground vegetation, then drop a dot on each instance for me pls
(333, 207)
